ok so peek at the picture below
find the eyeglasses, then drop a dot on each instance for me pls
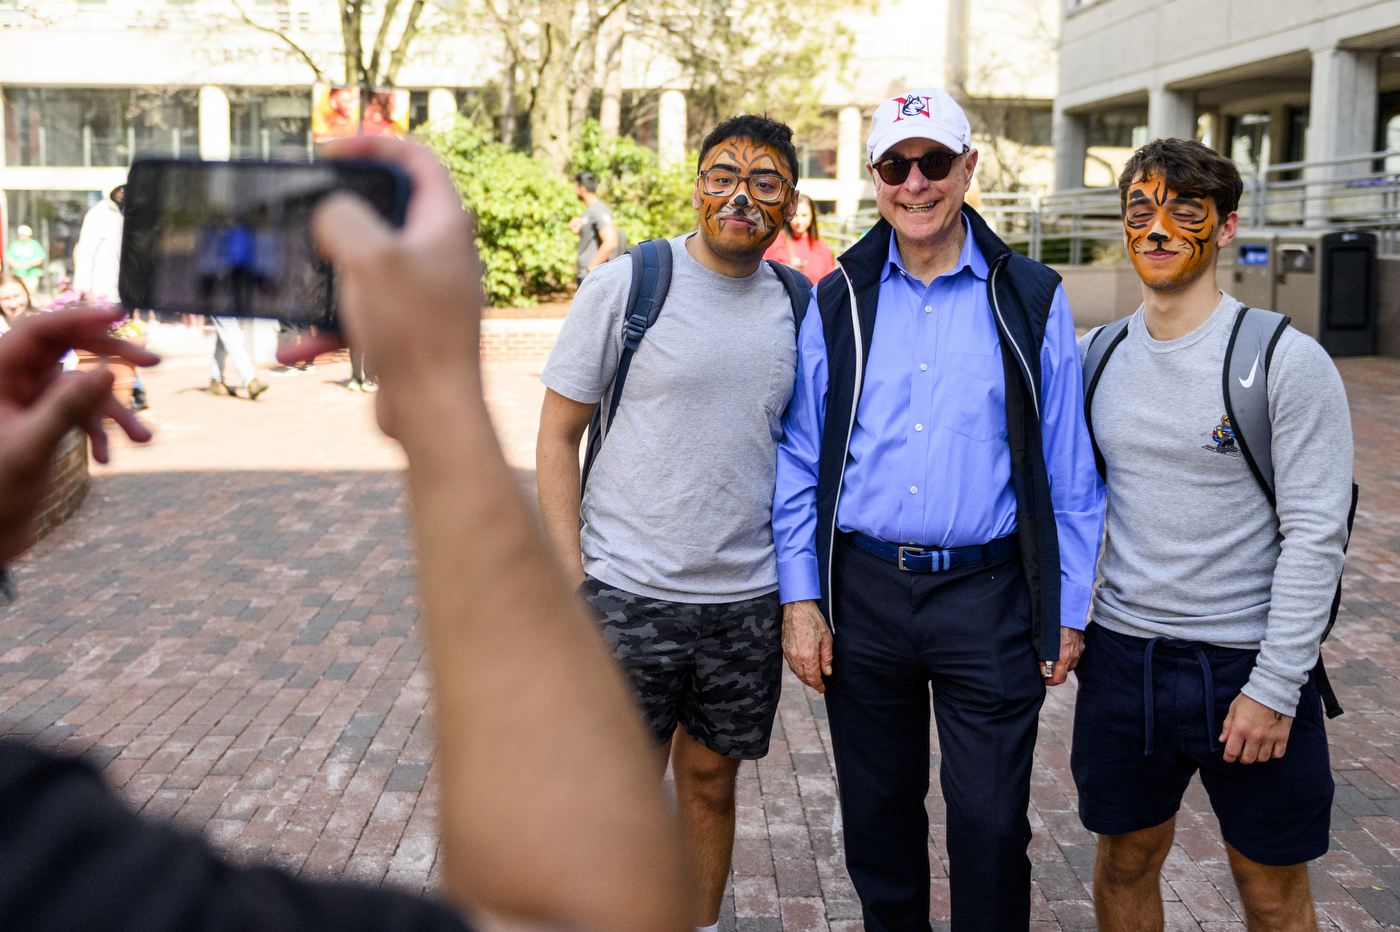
(764, 188)
(935, 164)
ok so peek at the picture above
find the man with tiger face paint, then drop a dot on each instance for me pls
(675, 552)
(1206, 626)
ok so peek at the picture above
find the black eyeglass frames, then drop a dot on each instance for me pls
(763, 187)
(934, 165)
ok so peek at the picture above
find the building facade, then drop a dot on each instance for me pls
(1266, 83)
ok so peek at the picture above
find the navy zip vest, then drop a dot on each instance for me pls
(1020, 293)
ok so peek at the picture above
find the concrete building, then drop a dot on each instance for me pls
(1266, 83)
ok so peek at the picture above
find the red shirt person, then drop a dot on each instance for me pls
(801, 246)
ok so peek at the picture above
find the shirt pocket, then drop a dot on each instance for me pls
(782, 375)
(974, 396)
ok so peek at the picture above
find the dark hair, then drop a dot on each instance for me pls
(587, 180)
(1187, 165)
(757, 129)
(812, 232)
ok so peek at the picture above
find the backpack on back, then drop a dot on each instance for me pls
(651, 280)
(1246, 390)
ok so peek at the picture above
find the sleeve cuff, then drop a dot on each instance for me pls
(1274, 690)
(1074, 604)
(799, 580)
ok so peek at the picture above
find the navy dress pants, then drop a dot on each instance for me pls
(966, 633)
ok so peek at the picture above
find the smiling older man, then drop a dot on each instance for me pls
(937, 519)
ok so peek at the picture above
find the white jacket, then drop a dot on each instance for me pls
(97, 255)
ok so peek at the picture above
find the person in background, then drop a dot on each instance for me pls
(228, 342)
(26, 258)
(801, 246)
(551, 816)
(15, 300)
(360, 380)
(597, 237)
(97, 256)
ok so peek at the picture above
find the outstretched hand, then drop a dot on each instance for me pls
(39, 404)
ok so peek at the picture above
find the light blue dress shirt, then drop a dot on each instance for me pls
(928, 463)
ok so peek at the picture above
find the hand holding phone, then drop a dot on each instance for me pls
(233, 239)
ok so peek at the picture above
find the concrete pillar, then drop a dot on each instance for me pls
(442, 108)
(215, 132)
(670, 130)
(1170, 114)
(1342, 120)
(850, 161)
(1070, 135)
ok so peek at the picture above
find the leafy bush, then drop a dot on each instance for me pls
(523, 207)
(647, 201)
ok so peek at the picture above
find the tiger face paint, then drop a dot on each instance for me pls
(737, 226)
(1170, 234)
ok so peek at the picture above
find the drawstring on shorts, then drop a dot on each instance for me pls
(1149, 710)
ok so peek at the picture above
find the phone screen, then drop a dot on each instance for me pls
(233, 239)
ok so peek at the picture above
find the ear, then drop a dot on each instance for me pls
(790, 210)
(1228, 228)
(695, 200)
(874, 177)
(971, 166)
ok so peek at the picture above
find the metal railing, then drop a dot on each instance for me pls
(1359, 192)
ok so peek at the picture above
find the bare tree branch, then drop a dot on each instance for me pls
(381, 37)
(410, 29)
(301, 52)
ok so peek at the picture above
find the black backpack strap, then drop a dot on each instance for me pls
(651, 280)
(1101, 345)
(1246, 389)
(799, 289)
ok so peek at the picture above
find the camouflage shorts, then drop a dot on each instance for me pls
(714, 668)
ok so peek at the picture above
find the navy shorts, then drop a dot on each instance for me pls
(715, 668)
(1275, 813)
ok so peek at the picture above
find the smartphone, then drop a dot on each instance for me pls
(233, 239)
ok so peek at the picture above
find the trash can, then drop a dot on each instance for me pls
(1347, 316)
(1245, 268)
(1296, 279)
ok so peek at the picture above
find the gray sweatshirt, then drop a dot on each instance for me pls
(1193, 550)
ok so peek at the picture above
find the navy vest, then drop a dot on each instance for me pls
(1020, 292)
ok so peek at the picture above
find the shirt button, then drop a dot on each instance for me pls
(914, 489)
(918, 427)
(927, 308)
(923, 367)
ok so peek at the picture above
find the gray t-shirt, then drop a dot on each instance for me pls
(1193, 549)
(596, 219)
(679, 504)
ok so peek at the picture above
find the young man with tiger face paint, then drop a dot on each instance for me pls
(676, 552)
(1205, 629)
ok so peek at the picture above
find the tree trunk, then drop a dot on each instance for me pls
(610, 117)
(508, 98)
(549, 104)
(585, 72)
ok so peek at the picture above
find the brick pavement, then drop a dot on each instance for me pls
(227, 628)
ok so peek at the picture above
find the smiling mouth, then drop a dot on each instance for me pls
(919, 208)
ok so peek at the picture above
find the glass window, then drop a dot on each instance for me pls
(417, 109)
(56, 217)
(102, 127)
(816, 163)
(271, 124)
(1119, 129)
(1249, 140)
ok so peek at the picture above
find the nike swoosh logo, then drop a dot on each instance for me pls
(1246, 383)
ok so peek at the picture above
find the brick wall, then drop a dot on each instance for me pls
(519, 340)
(69, 484)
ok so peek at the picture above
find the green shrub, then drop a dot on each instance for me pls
(522, 209)
(646, 200)
(523, 206)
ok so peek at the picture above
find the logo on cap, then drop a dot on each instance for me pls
(913, 105)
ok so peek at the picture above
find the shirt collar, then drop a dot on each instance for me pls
(970, 257)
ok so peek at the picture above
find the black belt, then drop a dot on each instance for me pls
(913, 559)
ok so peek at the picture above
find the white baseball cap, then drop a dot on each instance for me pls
(923, 113)
(24, 230)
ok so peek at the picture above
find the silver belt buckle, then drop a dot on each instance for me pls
(916, 551)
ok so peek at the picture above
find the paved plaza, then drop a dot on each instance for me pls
(226, 628)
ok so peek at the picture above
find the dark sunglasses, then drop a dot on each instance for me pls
(934, 165)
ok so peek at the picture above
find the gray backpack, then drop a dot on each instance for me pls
(1246, 390)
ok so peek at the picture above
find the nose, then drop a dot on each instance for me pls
(741, 200)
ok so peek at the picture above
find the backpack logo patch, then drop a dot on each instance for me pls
(1224, 439)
